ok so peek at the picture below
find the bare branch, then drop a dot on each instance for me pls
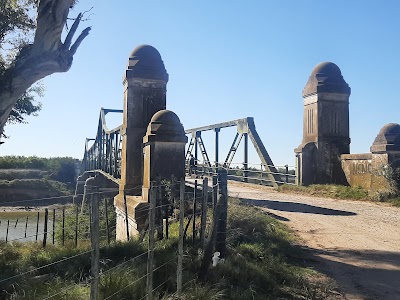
(71, 33)
(79, 40)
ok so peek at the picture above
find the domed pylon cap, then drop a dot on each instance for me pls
(326, 77)
(165, 126)
(388, 139)
(145, 62)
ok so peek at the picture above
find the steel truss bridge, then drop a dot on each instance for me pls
(105, 152)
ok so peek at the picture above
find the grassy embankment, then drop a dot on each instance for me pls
(23, 178)
(339, 192)
(262, 263)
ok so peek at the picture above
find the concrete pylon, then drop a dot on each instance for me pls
(326, 133)
(145, 82)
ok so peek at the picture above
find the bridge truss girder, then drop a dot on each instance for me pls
(245, 129)
(105, 153)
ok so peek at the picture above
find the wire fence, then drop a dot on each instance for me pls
(189, 217)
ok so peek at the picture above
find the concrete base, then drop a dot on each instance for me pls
(137, 212)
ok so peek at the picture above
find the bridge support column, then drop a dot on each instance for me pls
(144, 81)
(164, 150)
(325, 127)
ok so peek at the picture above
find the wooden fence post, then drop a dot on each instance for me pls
(204, 213)
(181, 236)
(63, 227)
(214, 231)
(158, 212)
(150, 255)
(46, 220)
(222, 222)
(194, 211)
(107, 224)
(76, 225)
(94, 233)
(215, 191)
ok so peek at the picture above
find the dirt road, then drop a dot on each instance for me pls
(356, 243)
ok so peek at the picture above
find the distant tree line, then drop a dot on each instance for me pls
(57, 168)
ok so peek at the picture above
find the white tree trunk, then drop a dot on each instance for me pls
(47, 54)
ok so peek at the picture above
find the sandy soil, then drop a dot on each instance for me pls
(355, 243)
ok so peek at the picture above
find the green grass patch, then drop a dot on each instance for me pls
(262, 263)
(342, 192)
(327, 190)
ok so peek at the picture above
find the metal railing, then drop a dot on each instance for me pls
(258, 174)
(105, 153)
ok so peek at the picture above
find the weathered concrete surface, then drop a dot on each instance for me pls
(326, 133)
(164, 150)
(368, 170)
(356, 243)
(145, 81)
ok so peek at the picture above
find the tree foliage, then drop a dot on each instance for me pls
(31, 49)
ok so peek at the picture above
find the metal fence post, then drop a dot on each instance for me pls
(150, 255)
(94, 233)
(204, 213)
(181, 236)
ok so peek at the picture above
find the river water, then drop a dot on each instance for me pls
(22, 226)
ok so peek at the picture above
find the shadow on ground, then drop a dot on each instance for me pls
(296, 207)
(363, 274)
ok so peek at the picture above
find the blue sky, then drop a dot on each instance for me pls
(226, 60)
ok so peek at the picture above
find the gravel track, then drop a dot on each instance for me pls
(355, 243)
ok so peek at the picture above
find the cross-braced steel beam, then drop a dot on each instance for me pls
(245, 129)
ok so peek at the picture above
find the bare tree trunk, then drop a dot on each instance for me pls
(47, 54)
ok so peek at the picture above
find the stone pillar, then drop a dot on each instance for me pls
(145, 82)
(385, 153)
(325, 126)
(164, 150)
